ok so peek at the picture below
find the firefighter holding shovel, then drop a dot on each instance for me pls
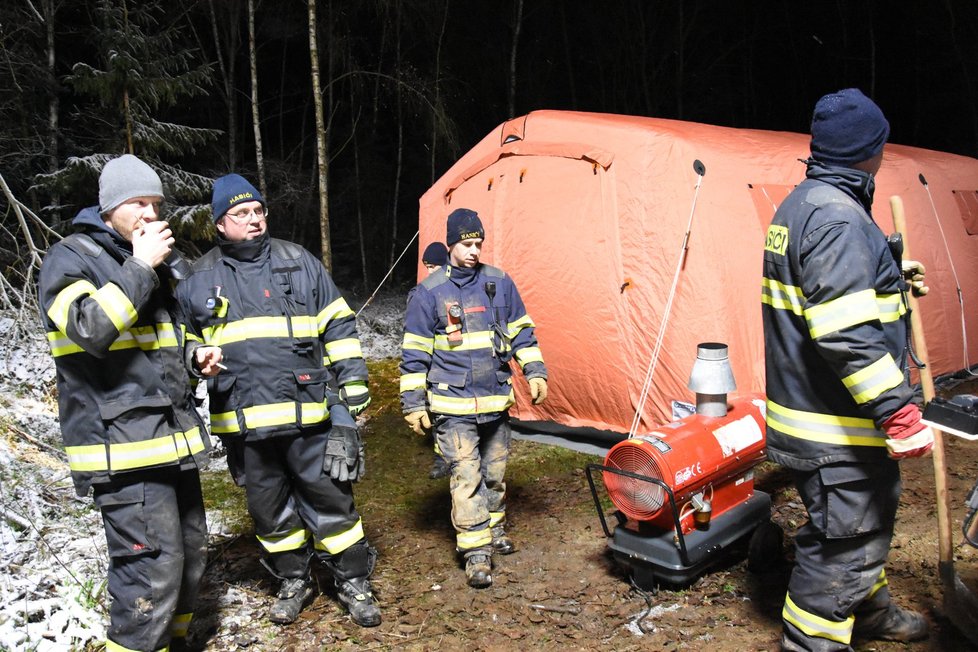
(840, 411)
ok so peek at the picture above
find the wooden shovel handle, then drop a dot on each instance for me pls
(945, 547)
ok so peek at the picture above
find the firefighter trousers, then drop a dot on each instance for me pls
(477, 454)
(840, 553)
(296, 506)
(157, 542)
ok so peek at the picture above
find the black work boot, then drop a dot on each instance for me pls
(478, 569)
(501, 543)
(358, 598)
(891, 624)
(440, 468)
(292, 596)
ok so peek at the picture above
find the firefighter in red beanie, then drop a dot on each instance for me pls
(840, 411)
(463, 325)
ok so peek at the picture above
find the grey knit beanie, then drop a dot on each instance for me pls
(124, 178)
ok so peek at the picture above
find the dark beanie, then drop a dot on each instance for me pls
(126, 177)
(847, 128)
(231, 190)
(435, 254)
(462, 225)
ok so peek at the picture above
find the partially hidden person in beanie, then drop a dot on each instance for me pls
(284, 405)
(840, 410)
(128, 422)
(463, 325)
(434, 256)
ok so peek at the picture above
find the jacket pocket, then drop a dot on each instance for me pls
(221, 392)
(137, 419)
(441, 379)
(311, 384)
(122, 510)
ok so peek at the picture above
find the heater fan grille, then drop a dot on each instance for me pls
(637, 499)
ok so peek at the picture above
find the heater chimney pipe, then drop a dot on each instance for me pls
(711, 379)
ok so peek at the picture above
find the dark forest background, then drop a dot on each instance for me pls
(407, 86)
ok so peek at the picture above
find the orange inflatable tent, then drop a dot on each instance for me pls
(634, 239)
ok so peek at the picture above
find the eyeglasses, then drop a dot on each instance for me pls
(244, 216)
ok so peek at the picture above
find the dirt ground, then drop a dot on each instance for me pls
(561, 589)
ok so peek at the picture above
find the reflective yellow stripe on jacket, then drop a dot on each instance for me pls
(146, 338)
(823, 428)
(835, 315)
(270, 415)
(470, 405)
(261, 327)
(135, 455)
(866, 384)
(110, 298)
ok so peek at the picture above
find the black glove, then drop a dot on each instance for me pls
(356, 396)
(344, 459)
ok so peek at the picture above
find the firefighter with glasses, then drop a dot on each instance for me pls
(295, 377)
(128, 421)
(840, 412)
(463, 325)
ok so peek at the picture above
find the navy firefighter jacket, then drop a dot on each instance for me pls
(285, 330)
(461, 329)
(834, 329)
(123, 386)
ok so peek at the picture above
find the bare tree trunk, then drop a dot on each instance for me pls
(356, 190)
(227, 78)
(255, 118)
(322, 154)
(680, 61)
(125, 92)
(54, 104)
(517, 26)
(400, 135)
(436, 114)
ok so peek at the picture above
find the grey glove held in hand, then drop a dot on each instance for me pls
(344, 459)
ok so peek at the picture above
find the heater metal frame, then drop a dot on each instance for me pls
(750, 520)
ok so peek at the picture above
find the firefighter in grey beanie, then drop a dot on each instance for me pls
(130, 431)
(124, 178)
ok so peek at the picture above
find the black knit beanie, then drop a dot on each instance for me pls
(847, 128)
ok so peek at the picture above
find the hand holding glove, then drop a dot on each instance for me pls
(356, 396)
(906, 436)
(913, 272)
(344, 459)
(538, 390)
(419, 421)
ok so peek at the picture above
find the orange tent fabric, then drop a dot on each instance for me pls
(588, 213)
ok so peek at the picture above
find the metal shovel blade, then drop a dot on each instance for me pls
(960, 604)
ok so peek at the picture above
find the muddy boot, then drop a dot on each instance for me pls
(358, 599)
(478, 569)
(891, 624)
(501, 543)
(440, 468)
(351, 572)
(292, 596)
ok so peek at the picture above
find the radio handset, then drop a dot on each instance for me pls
(179, 268)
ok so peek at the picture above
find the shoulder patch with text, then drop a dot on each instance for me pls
(777, 239)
